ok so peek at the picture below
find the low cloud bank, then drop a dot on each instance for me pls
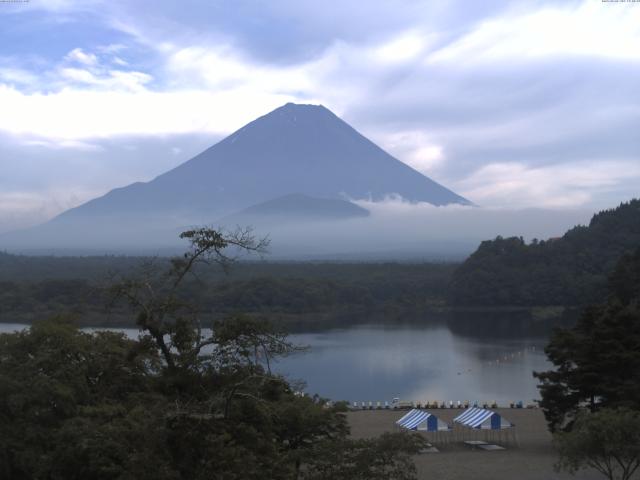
(400, 230)
(395, 230)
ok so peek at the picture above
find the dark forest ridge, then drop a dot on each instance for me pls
(569, 270)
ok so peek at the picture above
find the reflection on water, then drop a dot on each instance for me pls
(420, 363)
(378, 363)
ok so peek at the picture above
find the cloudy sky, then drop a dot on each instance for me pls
(510, 104)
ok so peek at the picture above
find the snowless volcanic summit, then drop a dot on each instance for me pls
(302, 149)
(295, 149)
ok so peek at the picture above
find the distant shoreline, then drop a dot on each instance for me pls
(530, 320)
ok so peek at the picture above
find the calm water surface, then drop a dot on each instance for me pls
(378, 363)
(417, 363)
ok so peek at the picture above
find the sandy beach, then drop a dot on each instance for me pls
(532, 459)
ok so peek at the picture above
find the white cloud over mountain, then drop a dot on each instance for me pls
(509, 104)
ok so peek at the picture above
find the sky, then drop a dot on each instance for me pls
(513, 105)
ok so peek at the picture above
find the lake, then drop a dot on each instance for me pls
(419, 363)
(377, 363)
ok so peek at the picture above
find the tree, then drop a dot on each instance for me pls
(154, 295)
(66, 395)
(597, 361)
(382, 458)
(571, 270)
(184, 401)
(607, 440)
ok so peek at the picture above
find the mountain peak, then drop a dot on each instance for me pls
(300, 148)
(303, 110)
(290, 106)
(296, 148)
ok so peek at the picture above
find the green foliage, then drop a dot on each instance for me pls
(76, 405)
(597, 361)
(571, 270)
(55, 380)
(180, 403)
(304, 295)
(388, 456)
(607, 440)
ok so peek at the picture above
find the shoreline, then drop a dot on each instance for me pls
(532, 459)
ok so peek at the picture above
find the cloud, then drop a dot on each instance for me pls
(405, 47)
(13, 76)
(79, 56)
(120, 62)
(567, 185)
(62, 144)
(399, 229)
(224, 68)
(94, 113)
(42, 177)
(589, 29)
(504, 103)
(22, 209)
(112, 48)
(415, 148)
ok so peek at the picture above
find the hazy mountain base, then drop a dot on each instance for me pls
(395, 230)
(296, 149)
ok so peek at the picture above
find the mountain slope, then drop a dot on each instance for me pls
(295, 148)
(296, 208)
(302, 149)
(571, 270)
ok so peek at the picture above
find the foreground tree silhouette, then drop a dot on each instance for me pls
(608, 441)
(185, 401)
(597, 361)
(154, 294)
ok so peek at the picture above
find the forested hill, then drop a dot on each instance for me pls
(571, 270)
(300, 294)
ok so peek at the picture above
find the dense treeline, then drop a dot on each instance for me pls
(177, 403)
(24, 268)
(591, 399)
(567, 271)
(571, 270)
(598, 360)
(312, 293)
